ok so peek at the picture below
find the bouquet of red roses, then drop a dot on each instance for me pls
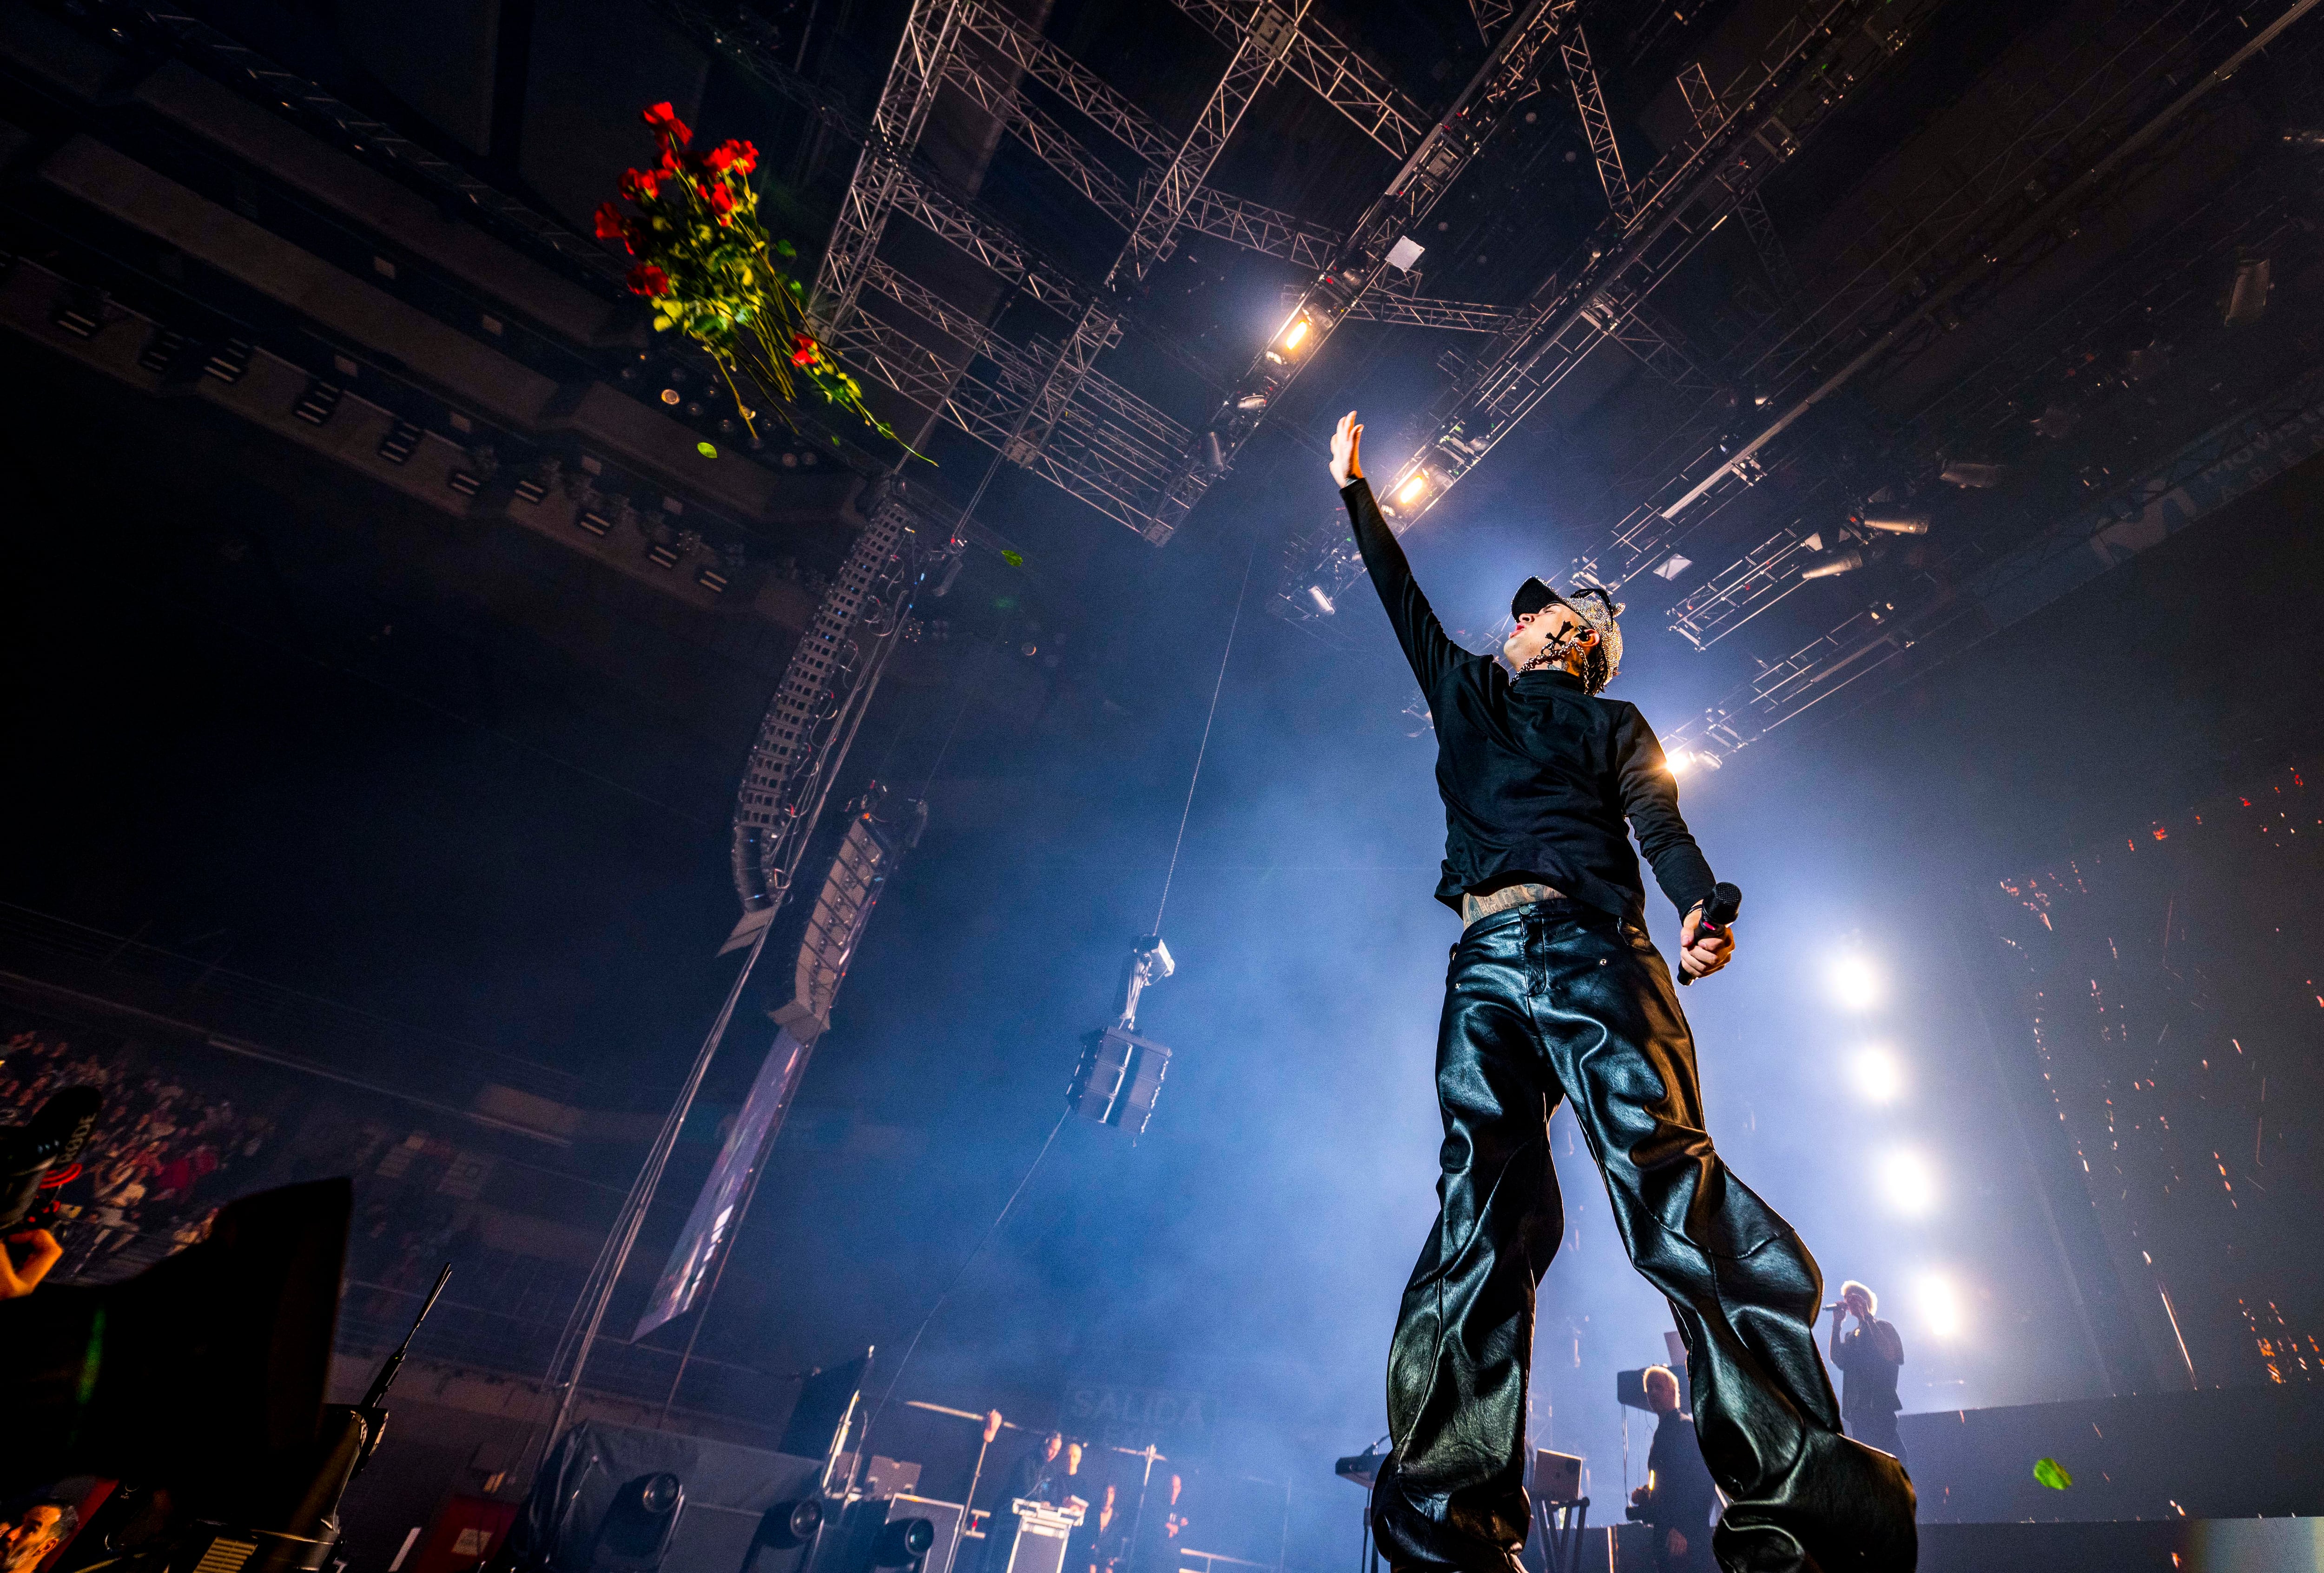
(708, 268)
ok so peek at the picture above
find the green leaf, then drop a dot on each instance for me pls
(785, 250)
(707, 450)
(2051, 1474)
(1014, 559)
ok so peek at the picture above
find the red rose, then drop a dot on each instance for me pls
(722, 201)
(807, 351)
(612, 225)
(665, 121)
(646, 279)
(732, 154)
(644, 185)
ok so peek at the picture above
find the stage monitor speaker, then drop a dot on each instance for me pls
(825, 1400)
(1556, 1478)
(636, 1532)
(883, 1534)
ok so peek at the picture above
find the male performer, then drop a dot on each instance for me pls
(1555, 991)
(1869, 1358)
(1677, 1497)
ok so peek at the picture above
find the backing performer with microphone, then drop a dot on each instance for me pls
(1555, 991)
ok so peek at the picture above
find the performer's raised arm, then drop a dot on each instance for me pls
(1426, 643)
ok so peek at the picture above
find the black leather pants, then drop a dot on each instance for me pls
(1555, 1000)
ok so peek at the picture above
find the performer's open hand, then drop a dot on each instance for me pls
(1347, 457)
(1701, 950)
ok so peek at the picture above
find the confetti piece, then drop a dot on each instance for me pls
(2051, 1474)
(707, 450)
(1014, 559)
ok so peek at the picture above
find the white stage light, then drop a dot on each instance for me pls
(1679, 762)
(1940, 1305)
(1876, 1075)
(1855, 983)
(1907, 1182)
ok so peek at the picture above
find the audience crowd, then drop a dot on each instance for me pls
(160, 1161)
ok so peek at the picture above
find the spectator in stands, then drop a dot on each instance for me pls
(154, 1163)
(26, 1543)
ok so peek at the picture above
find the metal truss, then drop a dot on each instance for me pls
(1804, 76)
(930, 32)
(1491, 16)
(1438, 159)
(1414, 310)
(1751, 207)
(984, 76)
(2092, 116)
(1814, 64)
(1946, 228)
(2170, 269)
(1590, 104)
(1343, 78)
(1258, 54)
(2224, 463)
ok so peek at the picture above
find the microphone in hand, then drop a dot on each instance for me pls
(1719, 909)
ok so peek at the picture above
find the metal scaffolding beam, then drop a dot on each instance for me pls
(1821, 55)
(985, 75)
(1590, 104)
(1267, 33)
(930, 33)
(1437, 160)
(1750, 206)
(1343, 78)
(1811, 66)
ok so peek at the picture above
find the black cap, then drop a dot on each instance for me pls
(1532, 596)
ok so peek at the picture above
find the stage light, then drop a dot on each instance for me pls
(1413, 490)
(1876, 1075)
(1896, 523)
(1832, 567)
(1291, 340)
(1940, 1305)
(1323, 601)
(1854, 982)
(1907, 1182)
(1679, 762)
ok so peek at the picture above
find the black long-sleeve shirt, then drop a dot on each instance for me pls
(1683, 1490)
(1537, 776)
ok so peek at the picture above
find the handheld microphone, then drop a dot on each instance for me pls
(1719, 910)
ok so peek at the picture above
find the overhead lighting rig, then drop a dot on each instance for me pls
(1822, 56)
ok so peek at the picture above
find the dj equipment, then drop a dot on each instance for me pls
(1719, 910)
(1042, 1533)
